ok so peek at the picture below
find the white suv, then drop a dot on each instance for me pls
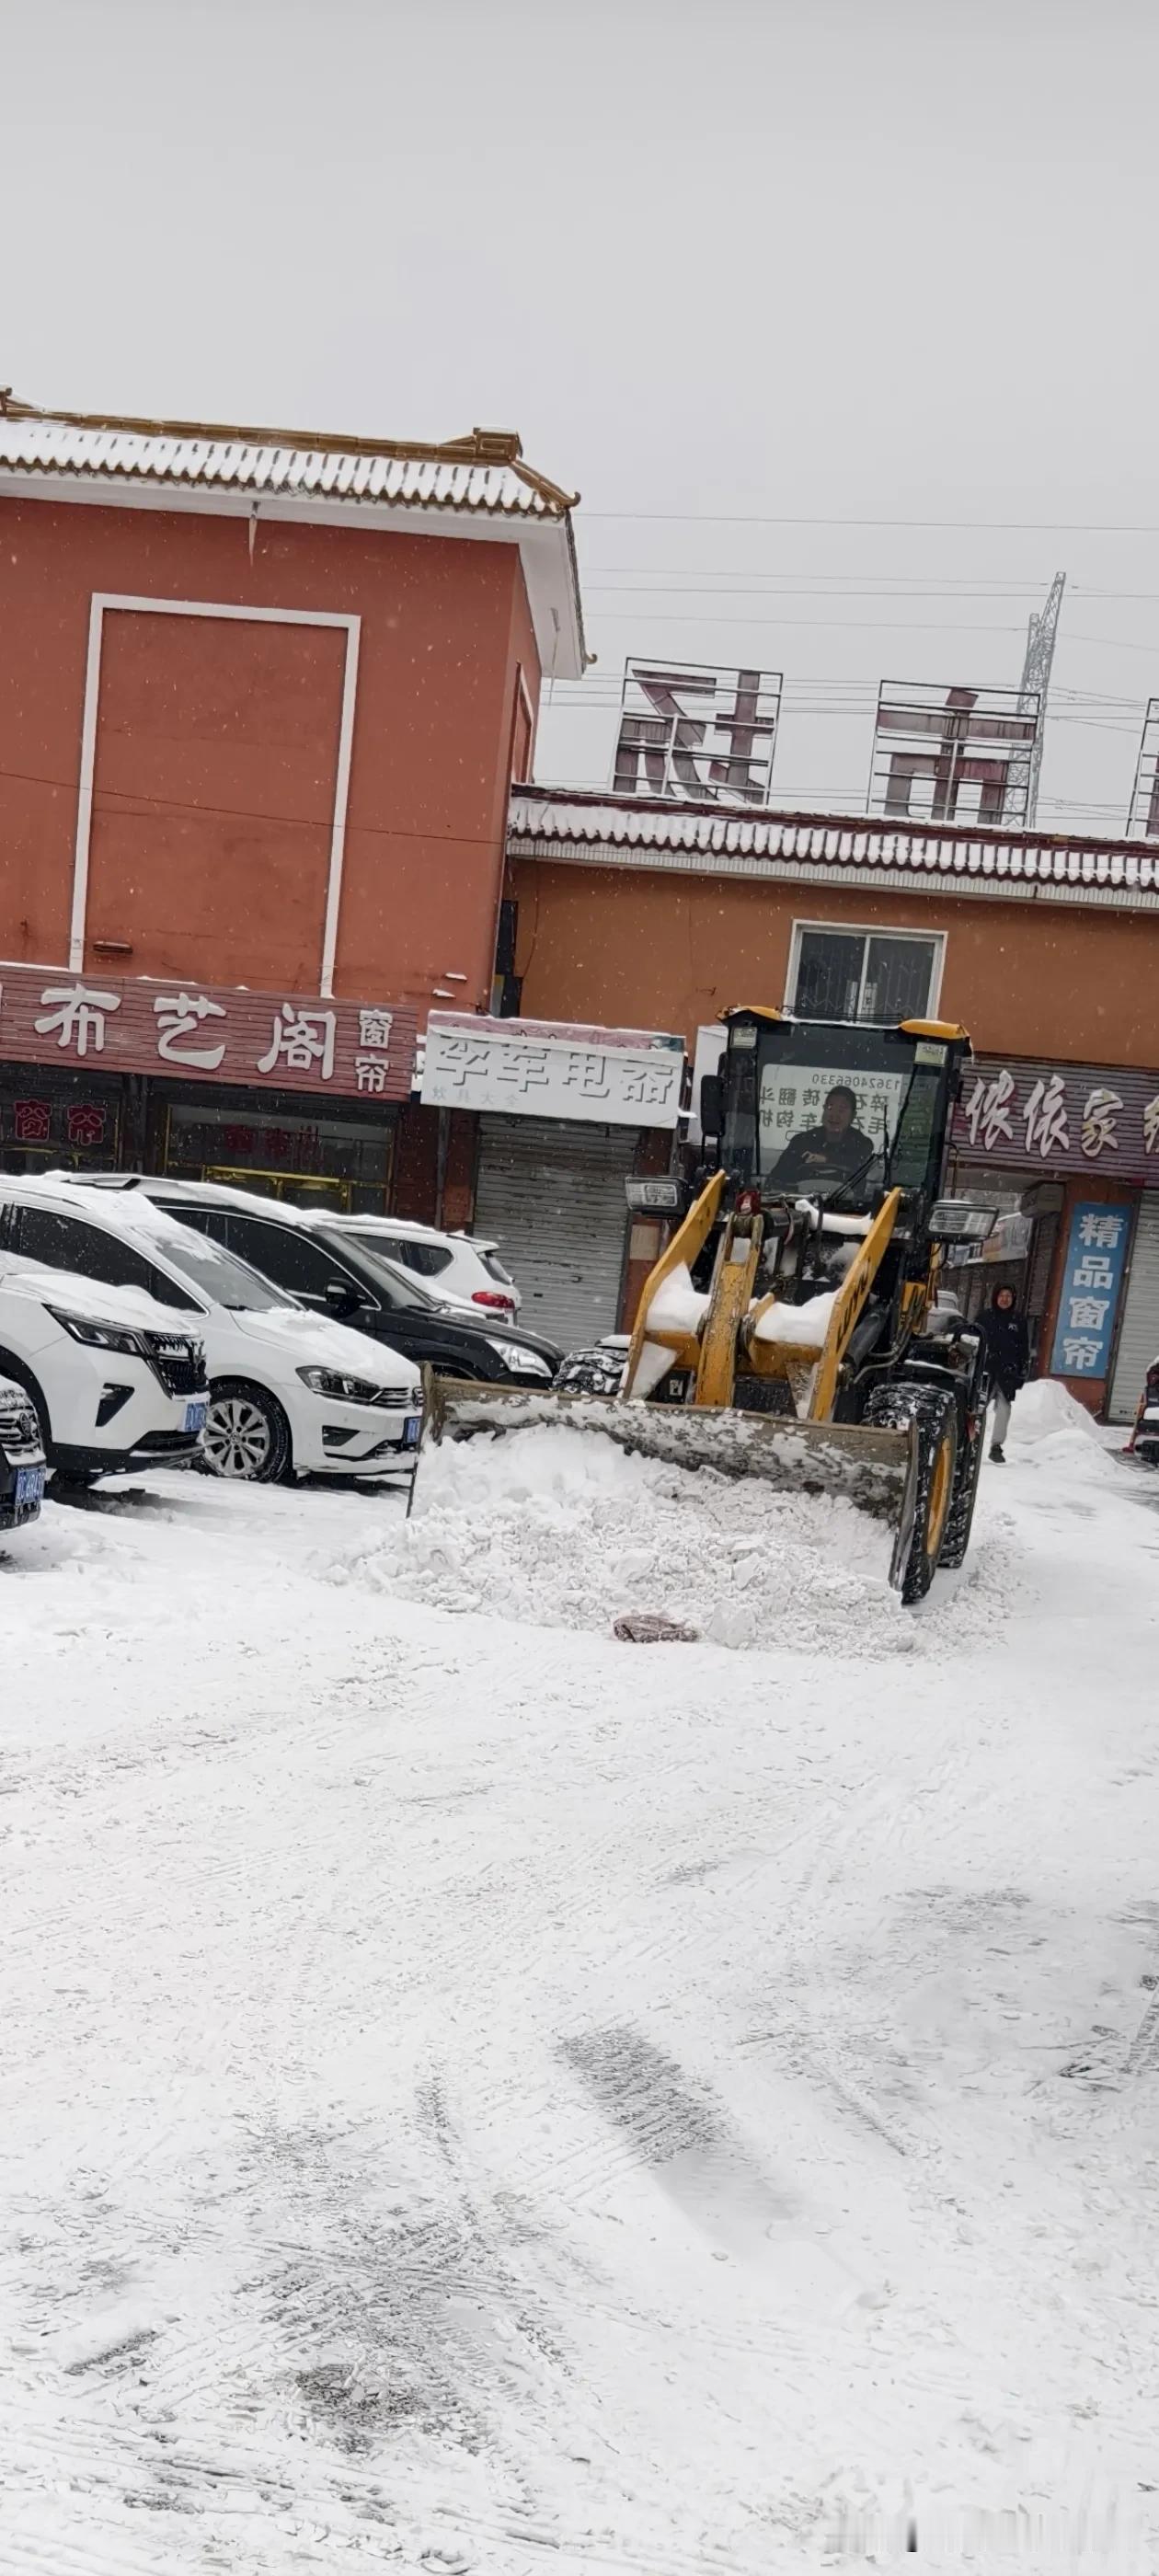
(289, 1392)
(117, 1382)
(22, 1462)
(463, 1269)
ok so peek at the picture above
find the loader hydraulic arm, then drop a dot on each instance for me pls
(686, 1247)
(854, 1290)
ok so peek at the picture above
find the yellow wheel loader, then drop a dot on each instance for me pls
(792, 1328)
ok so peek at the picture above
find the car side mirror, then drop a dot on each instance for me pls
(343, 1298)
(711, 1104)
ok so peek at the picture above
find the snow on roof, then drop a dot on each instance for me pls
(597, 830)
(485, 470)
(482, 482)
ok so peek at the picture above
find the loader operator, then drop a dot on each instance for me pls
(834, 1150)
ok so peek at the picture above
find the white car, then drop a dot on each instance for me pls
(117, 1380)
(289, 1394)
(463, 1269)
(22, 1460)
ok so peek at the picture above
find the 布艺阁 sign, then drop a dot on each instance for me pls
(208, 1032)
(545, 1069)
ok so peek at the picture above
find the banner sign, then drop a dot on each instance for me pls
(547, 1069)
(205, 1032)
(1095, 1256)
(1060, 1118)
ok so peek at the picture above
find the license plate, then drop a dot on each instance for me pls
(195, 1417)
(29, 1486)
(411, 1429)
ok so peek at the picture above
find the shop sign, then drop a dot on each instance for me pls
(207, 1032)
(1095, 1256)
(548, 1069)
(34, 1120)
(202, 1134)
(1060, 1118)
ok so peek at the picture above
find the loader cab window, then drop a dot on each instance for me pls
(812, 1108)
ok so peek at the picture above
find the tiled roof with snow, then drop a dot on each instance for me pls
(484, 472)
(597, 830)
(480, 485)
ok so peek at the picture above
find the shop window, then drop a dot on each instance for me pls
(839, 973)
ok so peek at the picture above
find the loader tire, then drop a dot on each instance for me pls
(592, 1372)
(893, 1408)
(960, 1518)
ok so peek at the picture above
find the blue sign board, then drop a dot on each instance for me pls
(1095, 1254)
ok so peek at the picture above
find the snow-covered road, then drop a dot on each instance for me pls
(480, 2095)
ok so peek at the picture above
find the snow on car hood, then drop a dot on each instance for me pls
(93, 1297)
(311, 1340)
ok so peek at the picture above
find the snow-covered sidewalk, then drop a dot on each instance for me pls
(477, 2094)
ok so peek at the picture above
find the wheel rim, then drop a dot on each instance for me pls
(237, 1437)
(940, 1484)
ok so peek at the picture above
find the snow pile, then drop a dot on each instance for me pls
(804, 1327)
(1046, 1407)
(564, 1530)
(677, 1306)
(1049, 1429)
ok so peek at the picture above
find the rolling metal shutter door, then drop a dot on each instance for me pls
(551, 1191)
(1139, 1333)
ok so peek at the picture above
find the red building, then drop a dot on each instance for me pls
(262, 695)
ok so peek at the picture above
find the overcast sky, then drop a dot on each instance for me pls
(748, 275)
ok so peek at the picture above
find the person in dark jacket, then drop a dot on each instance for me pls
(835, 1150)
(1008, 1344)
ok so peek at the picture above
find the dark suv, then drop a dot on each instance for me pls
(325, 1268)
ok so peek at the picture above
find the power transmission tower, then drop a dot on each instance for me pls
(1026, 767)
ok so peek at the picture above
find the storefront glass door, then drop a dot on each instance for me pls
(297, 1188)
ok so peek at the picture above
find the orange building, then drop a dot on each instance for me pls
(661, 913)
(262, 695)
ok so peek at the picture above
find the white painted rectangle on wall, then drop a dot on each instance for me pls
(546, 1069)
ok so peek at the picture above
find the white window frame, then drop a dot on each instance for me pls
(102, 602)
(866, 930)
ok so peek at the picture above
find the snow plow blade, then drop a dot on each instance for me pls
(875, 1470)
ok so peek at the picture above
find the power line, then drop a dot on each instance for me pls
(139, 796)
(765, 519)
(783, 586)
(851, 625)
